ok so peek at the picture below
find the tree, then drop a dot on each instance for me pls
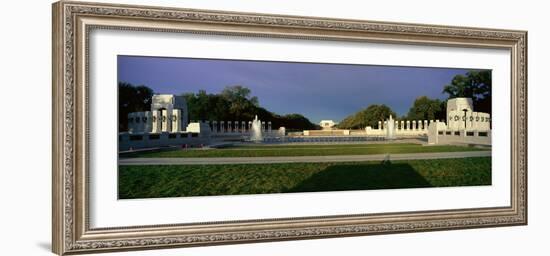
(475, 85)
(235, 103)
(425, 108)
(294, 122)
(367, 117)
(240, 101)
(132, 99)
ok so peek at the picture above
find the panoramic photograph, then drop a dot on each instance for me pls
(211, 127)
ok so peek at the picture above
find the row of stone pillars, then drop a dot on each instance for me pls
(407, 125)
(236, 126)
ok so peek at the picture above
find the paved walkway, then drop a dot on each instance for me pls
(297, 159)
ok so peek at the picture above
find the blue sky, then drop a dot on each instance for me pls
(316, 90)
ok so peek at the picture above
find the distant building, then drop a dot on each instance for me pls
(327, 124)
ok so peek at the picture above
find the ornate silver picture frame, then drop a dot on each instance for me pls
(72, 25)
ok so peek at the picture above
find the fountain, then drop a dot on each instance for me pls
(390, 130)
(256, 131)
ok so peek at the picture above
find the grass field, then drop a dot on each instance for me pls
(204, 180)
(304, 150)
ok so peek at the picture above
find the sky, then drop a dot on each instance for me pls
(319, 91)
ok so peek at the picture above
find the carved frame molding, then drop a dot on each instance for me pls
(72, 22)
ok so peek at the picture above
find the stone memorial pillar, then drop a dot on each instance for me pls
(263, 126)
(379, 125)
(131, 124)
(222, 126)
(142, 122)
(269, 127)
(165, 121)
(176, 120)
(408, 125)
(249, 126)
(147, 124)
(425, 125)
(215, 126)
(138, 123)
(243, 126)
(155, 121)
(236, 123)
(402, 126)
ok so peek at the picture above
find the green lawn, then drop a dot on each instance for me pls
(303, 150)
(203, 180)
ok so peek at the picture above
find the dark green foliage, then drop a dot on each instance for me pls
(235, 103)
(305, 150)
(475, 85)
(132, 99)
(425, 108)
(204, 180)
(367, 117)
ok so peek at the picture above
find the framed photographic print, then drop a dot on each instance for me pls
(179, 127)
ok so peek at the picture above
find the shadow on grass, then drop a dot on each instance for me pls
(341, 177)
(156, 181)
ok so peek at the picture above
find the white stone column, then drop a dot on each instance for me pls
(385, 125)
(176, 120)
(215, 126)
(165, 121)
(243, 126)
(408, 125)
(249, 126)
(269, 127)
(131, 122)
(135, 122)
(484, 122)
(413, 124)
(141, 121)
(263, 126)
(156, 121)
(402, 126)
(222, 126)
(236, 123)
(379, 125)
(147, 126)
(476, 121)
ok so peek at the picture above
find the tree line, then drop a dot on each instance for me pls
(474, 84)
(233, 103)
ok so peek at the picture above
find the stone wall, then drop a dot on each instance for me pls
(402, 128)
(132, 141)
(440, 133)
